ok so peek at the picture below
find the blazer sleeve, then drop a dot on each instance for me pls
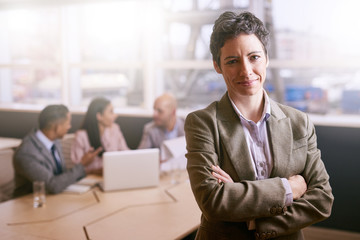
(315, 205)
(243, 200)
(33, 165)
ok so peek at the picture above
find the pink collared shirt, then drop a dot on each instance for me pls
(111, 140)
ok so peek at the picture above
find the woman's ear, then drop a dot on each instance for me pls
(217, 67)
(267, 60)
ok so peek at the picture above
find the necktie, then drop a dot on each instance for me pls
(57, 161)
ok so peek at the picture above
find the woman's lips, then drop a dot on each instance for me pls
(247, 83)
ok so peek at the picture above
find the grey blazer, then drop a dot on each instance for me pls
(215, 137)
(32, 161)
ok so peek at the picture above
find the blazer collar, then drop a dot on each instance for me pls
(233, 139)
(280, 139)
(42, 148)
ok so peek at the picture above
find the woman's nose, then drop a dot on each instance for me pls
(245, 68)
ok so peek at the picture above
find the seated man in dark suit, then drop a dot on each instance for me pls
(39, 157)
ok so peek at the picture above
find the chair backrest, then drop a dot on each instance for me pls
(6, 174)
(6, 169)
(66, 143)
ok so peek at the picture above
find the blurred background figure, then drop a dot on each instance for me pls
(40, 158)
(99, 133)
(165, 125)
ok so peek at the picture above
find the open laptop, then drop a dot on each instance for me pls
(130, 169)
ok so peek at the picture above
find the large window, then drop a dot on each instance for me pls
(317, 59)
(132, 51)
(30, 56)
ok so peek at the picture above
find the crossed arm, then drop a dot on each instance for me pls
(242, 199)
(297, 182)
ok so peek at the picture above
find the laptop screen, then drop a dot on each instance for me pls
(130, 169)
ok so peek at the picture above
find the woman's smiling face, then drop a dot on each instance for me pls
(243, 64)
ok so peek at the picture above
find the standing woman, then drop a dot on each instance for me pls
(98, 133)
(254, 166)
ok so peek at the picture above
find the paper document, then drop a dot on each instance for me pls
(173, 153)
(77, 188)
(89, 181)
(173, 148)
(83, 185)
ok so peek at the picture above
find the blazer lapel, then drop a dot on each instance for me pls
(280, 140)
(42, 150)
(59, 150)
(233, 138)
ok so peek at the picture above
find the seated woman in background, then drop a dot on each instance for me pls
(100, 133)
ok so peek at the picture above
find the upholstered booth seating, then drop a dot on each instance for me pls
(6, 174)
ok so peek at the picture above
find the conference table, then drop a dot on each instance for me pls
(168, 211)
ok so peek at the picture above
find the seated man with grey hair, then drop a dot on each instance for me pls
(39, 157)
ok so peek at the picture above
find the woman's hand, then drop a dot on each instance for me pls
(90, 156)
(298, 186)
(221, 175)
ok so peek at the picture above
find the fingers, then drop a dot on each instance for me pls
(98, 150)
(219, 170)
(90, 156)
(220, 174)
(298, 186)
(93, 153)
(221, 178)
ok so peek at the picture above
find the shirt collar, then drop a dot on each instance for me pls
(172, 133)
(266, 111)
(46, 141)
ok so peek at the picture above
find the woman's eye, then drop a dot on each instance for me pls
(254, 57)
(231, 62)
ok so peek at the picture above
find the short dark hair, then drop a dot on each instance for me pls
(52, 114)
(229, 25)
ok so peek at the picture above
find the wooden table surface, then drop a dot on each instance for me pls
(168, 211)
